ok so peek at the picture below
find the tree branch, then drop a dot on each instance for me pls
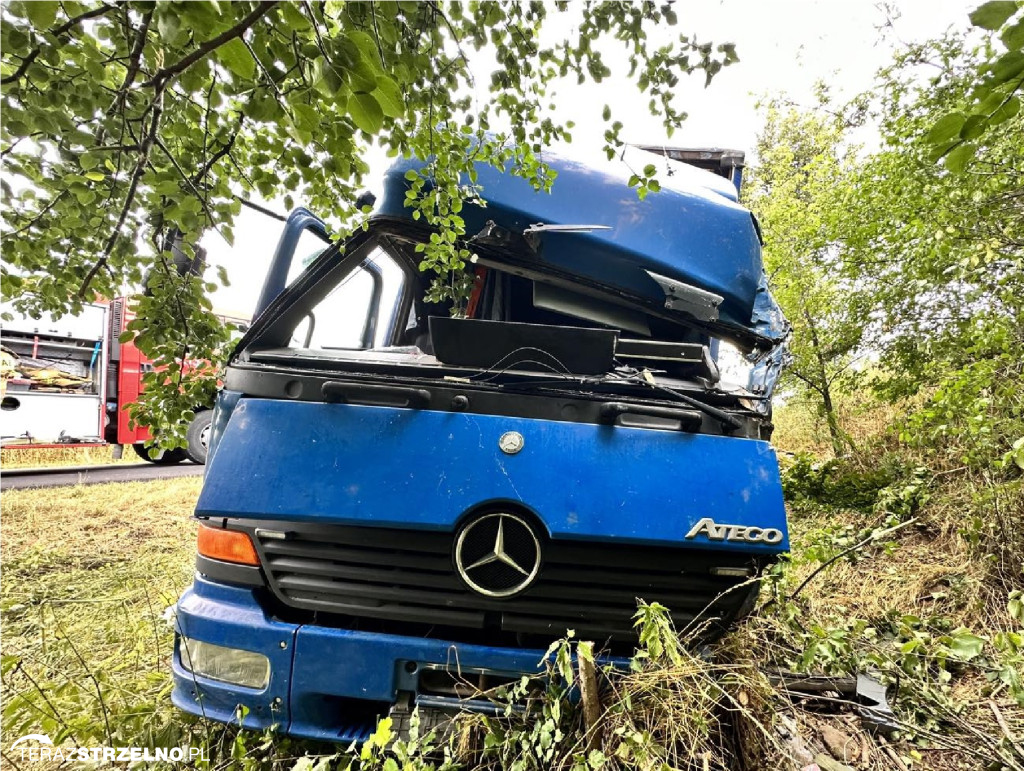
(39, 216)
(220, 153)
(133, 185)
(376, 35)
(134, 60)
(260, 209)
(15, 76)
(810, 383)
(165, 74)
(185, 178)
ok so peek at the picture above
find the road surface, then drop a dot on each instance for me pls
(18, 479)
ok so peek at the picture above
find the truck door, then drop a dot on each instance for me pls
(304, 234)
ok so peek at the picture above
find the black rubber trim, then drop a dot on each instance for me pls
(689, 419)
(554, 403)
(335, 391)
(229, 573)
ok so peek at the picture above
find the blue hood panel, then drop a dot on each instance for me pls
(389, 467)
(693, 231)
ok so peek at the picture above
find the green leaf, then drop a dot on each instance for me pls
(41, 14)
(607, 113)
(389, 97)
(938, 152)
(946, 128)
(993, 14)
(306, 117)
(367, 47)
(1013, 36)
(966, 646)
(366, 112)
(236, 57)
(95, 176)
(362, 77)
(974, 127)
(1008, 66)
(168, 25)
(1005, 111)
(960, 156)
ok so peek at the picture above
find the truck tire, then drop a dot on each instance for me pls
(198, 436)
(164, 458)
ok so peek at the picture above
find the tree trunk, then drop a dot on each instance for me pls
(832, 419)
(824, 388)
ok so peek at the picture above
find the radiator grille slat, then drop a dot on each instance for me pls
(409, 576)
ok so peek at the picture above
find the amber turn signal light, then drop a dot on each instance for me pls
(226, 545)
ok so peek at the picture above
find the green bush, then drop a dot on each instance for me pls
(836, 482)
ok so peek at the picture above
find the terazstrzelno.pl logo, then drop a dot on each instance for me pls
(39, 747)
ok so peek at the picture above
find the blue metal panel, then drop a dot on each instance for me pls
(691, 231)
(369, 665)
(349, 464)
(317, 665)
(222, 407)
(232, 617)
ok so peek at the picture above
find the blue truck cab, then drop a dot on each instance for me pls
(402, 506)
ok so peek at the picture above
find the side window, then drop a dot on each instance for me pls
(361, 312)
(309, 247)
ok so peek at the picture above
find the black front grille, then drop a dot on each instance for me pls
(408, 576)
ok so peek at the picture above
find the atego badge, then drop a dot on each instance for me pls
(735, 533)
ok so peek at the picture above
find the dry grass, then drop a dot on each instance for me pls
(87, 573)
(866, 420)
(694, 713)
(86, 524)
(861, 613)
(928, 571)
(29, 457)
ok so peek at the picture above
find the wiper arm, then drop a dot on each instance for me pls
(721, 415)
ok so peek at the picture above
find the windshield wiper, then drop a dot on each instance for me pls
(720, 415)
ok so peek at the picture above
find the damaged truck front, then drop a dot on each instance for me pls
(400, 505)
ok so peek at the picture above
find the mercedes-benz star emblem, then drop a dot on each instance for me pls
(498, 555)
(511, 442)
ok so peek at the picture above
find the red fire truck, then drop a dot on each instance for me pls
(68, 382)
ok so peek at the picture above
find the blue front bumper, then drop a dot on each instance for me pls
(322, 680)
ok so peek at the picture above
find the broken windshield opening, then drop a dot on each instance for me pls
(360, 307)
(367, 311)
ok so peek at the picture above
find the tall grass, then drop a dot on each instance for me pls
(30, 457)
(88, 573)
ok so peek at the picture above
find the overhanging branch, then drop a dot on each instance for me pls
(32, 55)
(165, 74)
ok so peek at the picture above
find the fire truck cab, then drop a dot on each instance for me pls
(69, 382)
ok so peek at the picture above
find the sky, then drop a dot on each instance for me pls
(784, 47)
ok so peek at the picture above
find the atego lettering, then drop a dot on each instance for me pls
(735, 533)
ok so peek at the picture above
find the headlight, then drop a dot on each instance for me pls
(229, 665)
